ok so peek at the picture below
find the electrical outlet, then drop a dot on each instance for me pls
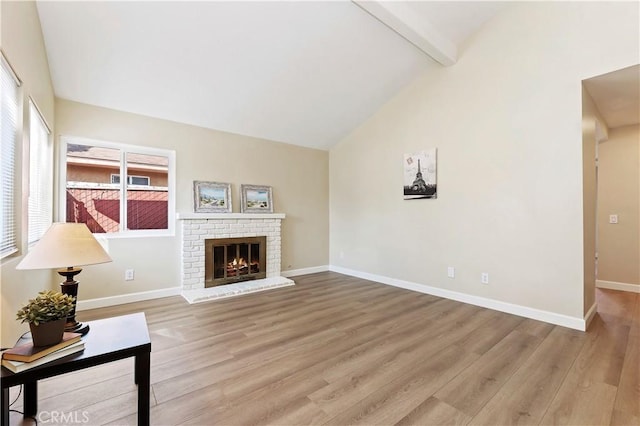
(451, 272)
(129, 274)
(613, 218)
(484, 278)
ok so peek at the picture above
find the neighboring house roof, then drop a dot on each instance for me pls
(109, 157)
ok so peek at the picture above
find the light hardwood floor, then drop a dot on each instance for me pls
(339, 350)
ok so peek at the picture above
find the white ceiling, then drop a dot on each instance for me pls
(305, 73)
(457, 20)
(617, 96)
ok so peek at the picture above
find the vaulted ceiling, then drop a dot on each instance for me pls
(305, 73)
(300, 72)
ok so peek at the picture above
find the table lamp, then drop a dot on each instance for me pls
(66, 246)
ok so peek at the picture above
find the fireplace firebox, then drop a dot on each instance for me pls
(231, 260)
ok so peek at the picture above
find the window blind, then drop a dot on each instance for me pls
(40, 176)
(9, 134)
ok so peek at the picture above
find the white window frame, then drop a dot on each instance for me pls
(11, 182)
(124, 149)
(130, 179)
(40, 197)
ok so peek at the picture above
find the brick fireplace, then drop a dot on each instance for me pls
(198, 227)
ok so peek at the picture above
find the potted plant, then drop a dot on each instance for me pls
(47, 315)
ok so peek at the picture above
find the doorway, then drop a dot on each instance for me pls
(611, 183)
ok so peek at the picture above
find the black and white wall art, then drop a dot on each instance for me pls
(420, 175)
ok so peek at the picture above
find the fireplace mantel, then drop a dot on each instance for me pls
(192, 216)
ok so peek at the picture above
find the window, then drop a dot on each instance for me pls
(9, 132)
(40, 175)
(141, 203)
(132, 180)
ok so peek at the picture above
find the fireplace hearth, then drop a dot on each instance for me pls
(232, 260)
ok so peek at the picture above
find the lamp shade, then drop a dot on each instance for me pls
(65, 245)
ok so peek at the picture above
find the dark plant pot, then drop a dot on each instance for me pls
(47, 333)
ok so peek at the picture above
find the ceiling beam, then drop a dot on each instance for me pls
(415, 29)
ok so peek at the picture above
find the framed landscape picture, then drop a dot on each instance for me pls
(256, 199)
(212, 197)
(420, 175)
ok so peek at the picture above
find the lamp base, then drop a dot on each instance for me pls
(76, 327)
(70, 287)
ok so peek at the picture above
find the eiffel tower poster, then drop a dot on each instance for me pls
(420, 175)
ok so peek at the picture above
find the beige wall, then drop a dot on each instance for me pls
(506, 122)
(619, 193)
(22, 43)
(299, 177)
(591, 119)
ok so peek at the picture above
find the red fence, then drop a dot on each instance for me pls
(100, 209)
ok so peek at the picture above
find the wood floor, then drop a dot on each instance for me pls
(339, 350)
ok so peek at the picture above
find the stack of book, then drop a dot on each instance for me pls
(24, 357)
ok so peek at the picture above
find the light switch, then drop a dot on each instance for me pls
(613, 218)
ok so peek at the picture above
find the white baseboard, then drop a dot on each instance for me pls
(304, 271)
(173, 291)
(120, 299)
(523, 311)
(590, 314)
(612, 285)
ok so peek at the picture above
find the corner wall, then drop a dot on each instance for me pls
(506, 120)
(591, 121)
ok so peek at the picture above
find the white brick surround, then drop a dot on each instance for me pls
(196, 227)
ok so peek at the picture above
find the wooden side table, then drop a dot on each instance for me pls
(109, 340)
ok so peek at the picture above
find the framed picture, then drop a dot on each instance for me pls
(256, 199)
(420, 175)
(211, 197)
